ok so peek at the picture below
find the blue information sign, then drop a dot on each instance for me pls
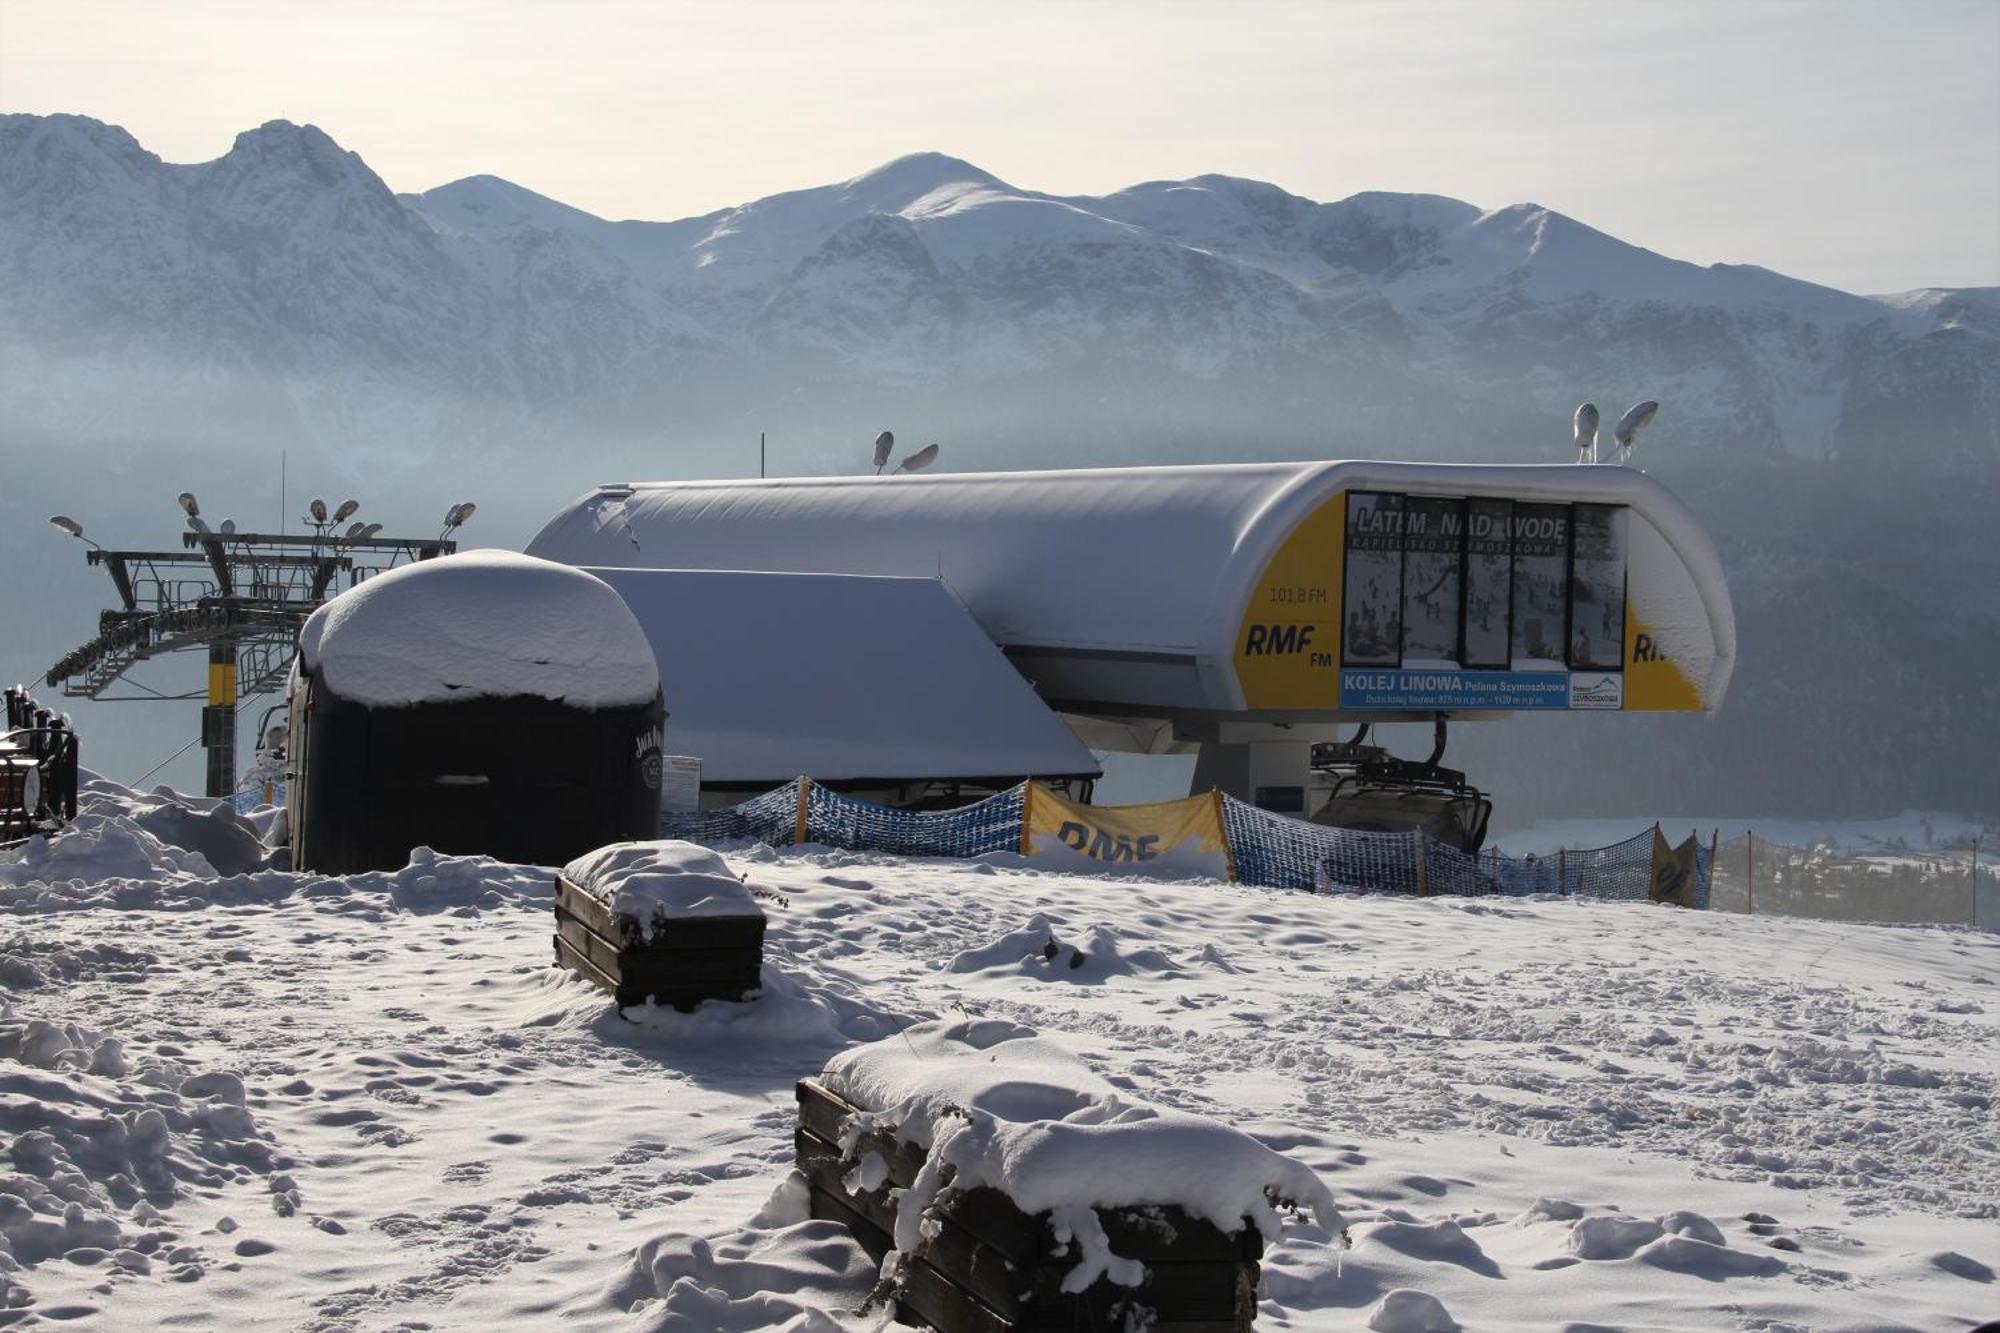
(1448, 688)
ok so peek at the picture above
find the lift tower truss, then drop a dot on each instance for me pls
(240, 597)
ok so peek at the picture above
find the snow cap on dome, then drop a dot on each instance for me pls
(482, 624)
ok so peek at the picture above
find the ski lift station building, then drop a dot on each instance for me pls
(1243, 608)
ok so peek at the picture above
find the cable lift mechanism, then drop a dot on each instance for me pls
(241, 596)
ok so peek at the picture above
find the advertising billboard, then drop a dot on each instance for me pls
(1489, 583)
(1372, 632)
(1597, 588)
(1433, 579)
(1482, 604)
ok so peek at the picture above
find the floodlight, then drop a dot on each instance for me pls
(354, 530)
(1636, 419)
(920, 460)
(74, 529)
(464, 512)
(318, 508)
(883, 444)
(199, 527)
(188, 503)
(346, 510)
(369, 531)
(1585, 423)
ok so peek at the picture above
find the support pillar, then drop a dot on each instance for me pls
(218, 719)
(1268, 764)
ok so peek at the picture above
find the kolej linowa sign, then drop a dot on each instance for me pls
(1419, 602)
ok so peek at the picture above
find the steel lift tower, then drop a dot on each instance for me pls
(240, 597)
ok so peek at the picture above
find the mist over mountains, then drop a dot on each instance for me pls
(160, 322)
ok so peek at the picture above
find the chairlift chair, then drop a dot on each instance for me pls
(1375, 792)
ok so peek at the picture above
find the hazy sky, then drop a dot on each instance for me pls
(1845, 141)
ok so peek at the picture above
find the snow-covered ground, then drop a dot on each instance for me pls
(284, 1101)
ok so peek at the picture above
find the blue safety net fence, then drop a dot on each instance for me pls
(772, 817)
(991, 825)
(246, 801)
(1266, 849)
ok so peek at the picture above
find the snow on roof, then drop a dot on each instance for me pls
(1009, 1108)
(839, 677)
(661, 881)
(1140, 575)
(481, 624)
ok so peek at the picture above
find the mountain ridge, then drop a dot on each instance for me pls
(483, 307)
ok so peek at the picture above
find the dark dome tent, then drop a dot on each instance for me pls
(485, 702)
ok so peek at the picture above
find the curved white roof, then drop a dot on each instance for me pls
(1118, 563)
(481, 624)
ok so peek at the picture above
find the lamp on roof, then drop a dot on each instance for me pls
(1637, 418)
(1585, 423)
(919, 460)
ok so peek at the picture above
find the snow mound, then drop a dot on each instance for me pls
(1036, 950)
(656, 882)
(998, 1104)
(1406, 1310)
(752, 1279)
(482, 624)
(105, 860)
(1699, 1258)
(1681, 1241)
(1549, 1210)
(99, 849)
(101, 1143)
(1612, 1237)
(225, 839)
(1444, 1241)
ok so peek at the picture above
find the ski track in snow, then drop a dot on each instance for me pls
(365, 1103)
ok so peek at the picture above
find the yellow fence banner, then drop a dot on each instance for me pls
(1167, 838)
(1675, 871)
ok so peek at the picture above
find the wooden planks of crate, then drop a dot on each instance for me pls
(686, 960)
(991, 1268)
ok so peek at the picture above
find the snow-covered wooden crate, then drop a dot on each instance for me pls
(665, 921)
(1033, 1198)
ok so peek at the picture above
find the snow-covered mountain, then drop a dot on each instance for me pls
(283, 289)
(168, 325)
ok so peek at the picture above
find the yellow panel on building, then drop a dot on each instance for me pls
(1288, 648)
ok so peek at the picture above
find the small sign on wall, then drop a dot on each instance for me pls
(680, 782)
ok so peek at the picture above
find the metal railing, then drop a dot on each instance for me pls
(38, 769)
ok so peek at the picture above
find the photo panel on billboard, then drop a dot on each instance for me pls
(1489, 582)
(1541, 586)
(1597, 588)
(1433, 556)
(1372, 597)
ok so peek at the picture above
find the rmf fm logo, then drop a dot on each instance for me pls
(1283, 641)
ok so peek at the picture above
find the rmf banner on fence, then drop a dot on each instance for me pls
(1674, 871)
(1168, 838)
